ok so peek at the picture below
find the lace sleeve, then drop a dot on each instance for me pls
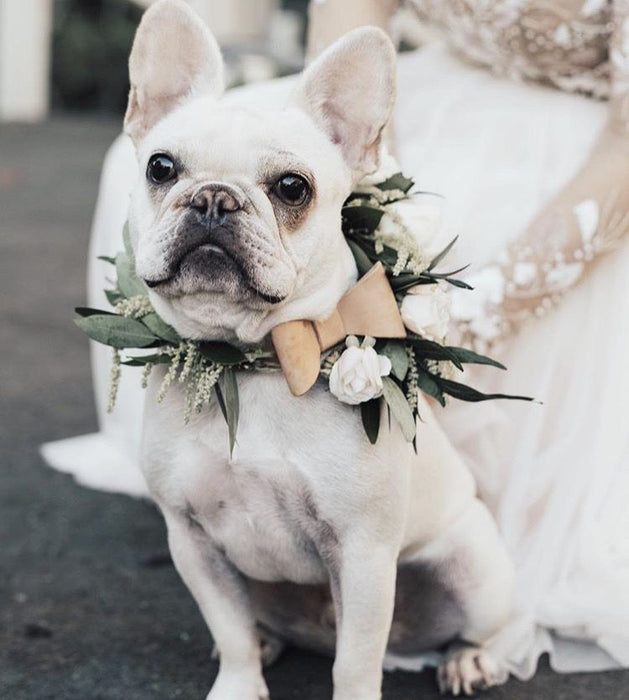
(587, 219)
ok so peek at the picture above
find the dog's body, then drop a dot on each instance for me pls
(283, 512)
(306, 513)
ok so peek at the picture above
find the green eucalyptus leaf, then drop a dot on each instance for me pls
(107, 259)
(398, 181)
(134, 362)
(361, 218)
(429, 350)
(142, 360)
(427, 383)
(396, 352)
(129, 284)
(232, 406)
(220, 399)
(438, 258)
(458, 283)
(388, 257)
(446, 275)
(86, 311)
(116, 331)
(221, 353)
(363, 263)
(370, 414)
(156, 325)
(467, 393)
(406, 281)
(398, 404)
(113, 297)
(126, 239)
(473, 358)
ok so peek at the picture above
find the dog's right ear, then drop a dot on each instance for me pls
(349, 92)
(174, 57)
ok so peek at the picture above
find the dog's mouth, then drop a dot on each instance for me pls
(212, 268)
(209, 248)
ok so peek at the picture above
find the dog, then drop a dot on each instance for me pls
(308, 534)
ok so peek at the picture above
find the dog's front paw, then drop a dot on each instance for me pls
(271, 648)
(466, 670)
(232, 686)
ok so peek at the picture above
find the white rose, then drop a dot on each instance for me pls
(357, 375)
(423, 216)
(426, 311)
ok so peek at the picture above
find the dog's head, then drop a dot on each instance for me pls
(236, 218)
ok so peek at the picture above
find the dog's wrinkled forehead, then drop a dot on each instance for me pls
(348, 92)
(219, 142)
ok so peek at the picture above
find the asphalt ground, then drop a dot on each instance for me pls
(90, 606)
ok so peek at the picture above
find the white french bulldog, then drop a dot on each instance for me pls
(308, 532)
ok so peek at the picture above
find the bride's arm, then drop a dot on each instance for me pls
(330, 19)
(560, 247)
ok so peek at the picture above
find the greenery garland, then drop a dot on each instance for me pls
(208, 369)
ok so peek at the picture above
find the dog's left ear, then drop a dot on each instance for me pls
(174, 58)
(350, 91)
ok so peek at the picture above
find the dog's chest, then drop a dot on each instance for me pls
(274, 508)
(265, 521)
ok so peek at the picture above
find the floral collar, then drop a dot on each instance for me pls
(367, 374)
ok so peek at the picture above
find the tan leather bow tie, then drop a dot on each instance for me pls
(369, 308)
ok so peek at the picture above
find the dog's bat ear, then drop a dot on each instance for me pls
(174, 57)
(350, 91)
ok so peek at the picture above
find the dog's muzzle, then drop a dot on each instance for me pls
(220, 243)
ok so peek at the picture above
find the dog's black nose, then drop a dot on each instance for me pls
(215, 202)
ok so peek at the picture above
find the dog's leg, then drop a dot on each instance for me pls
(223, 599)
(271, 647)
(485, 590)
(363, 588)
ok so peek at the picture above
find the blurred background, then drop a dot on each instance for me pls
(70, 55)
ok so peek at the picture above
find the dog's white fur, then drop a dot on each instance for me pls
(305, 498)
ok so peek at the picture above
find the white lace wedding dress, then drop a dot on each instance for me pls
(556, 474)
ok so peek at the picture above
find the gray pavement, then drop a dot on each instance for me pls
(90, 607)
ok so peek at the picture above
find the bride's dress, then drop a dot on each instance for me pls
(555, 474)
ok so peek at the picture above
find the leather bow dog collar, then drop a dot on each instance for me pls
(369, 308)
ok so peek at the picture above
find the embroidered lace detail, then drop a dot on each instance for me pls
(532, 275)
(564, 43)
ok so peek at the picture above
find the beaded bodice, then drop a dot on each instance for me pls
(563, 42)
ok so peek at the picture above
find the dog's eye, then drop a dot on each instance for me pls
(161, 169)
(292, 189)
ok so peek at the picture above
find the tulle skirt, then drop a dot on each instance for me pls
(556, 473)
